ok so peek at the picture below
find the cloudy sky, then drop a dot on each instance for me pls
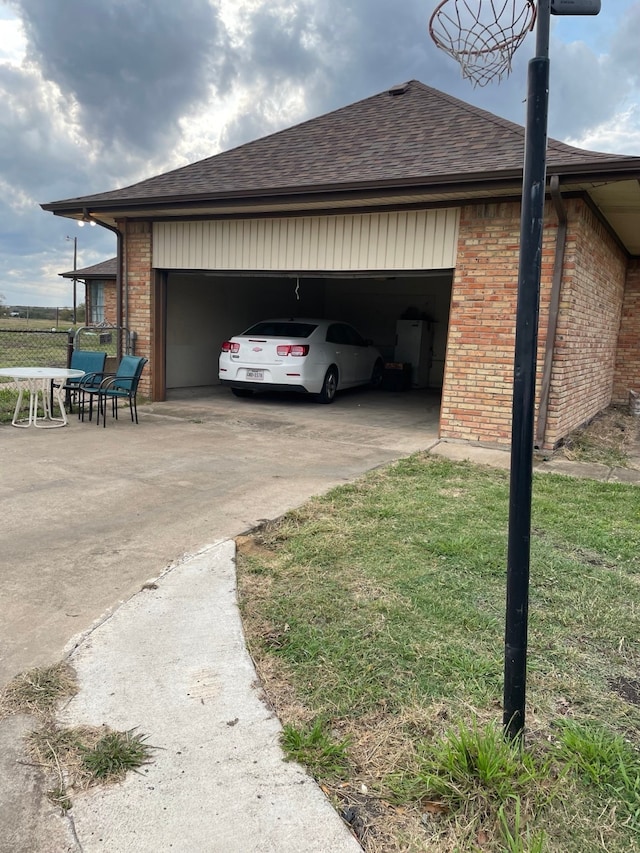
(98, 94)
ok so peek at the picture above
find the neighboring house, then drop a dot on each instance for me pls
(406, 202)
(100, 291)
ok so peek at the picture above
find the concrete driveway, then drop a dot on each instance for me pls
(89, 514)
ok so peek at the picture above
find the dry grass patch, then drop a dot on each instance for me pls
(39, 691)
(610, 439)
(72, 759)
(75, 759)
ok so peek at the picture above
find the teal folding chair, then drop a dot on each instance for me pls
(90, 362)
(118, 386)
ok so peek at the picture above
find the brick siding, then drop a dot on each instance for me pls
(588, 324)
(477, 392)
(138, 237)
(110, 303)
(627, 370)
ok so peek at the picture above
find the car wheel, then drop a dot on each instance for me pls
(376, 376)
(242, 392)
(329, 386)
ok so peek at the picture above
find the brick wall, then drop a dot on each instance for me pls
(138, 236)
(477, 393)
(588, 324)
(627, 369)
(478, 383)
(110, 305)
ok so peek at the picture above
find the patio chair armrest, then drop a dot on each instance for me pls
(89, 382)
(110, 381)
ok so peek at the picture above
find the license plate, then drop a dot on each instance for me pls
(255, 374)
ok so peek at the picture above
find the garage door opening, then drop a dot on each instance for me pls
(205, 309)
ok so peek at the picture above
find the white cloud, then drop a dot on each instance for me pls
(618, 135)
(13, 43)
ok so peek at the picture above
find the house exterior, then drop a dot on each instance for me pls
(408, 201)
(100, 291)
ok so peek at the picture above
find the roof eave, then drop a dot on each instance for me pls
(480, 182)
(87, 276)
(356, 189)
(601, 172)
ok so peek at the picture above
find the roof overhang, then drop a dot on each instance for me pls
(619, 203)
(615, 193)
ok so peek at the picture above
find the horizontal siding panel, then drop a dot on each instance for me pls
(402, 240)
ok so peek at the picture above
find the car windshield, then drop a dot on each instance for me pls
(280, 329)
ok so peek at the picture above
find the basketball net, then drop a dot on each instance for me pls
(482, 35)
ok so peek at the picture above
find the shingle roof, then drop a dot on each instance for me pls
(417, 134)
(105, 269)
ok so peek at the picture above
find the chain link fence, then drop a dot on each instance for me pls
(33, 347)
(53, 348)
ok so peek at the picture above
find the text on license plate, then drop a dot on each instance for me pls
(255, 374)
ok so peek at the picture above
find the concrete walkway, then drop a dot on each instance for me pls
(172, 662)
(458, 451)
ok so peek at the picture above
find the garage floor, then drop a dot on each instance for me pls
(404, 419)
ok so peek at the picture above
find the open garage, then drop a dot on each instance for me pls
(203, 310)
(374, 271)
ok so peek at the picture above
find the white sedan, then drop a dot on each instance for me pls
(317, 357)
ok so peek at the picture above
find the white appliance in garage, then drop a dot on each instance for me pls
(414, 347)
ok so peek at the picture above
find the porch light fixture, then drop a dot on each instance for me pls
(86, 218)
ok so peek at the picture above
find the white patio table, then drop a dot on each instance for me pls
(38, 381)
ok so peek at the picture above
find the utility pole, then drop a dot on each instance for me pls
(75, 280)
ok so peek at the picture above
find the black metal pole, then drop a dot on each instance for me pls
(524, 381)
(75, 280)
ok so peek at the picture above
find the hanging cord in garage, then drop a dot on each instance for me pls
(298, 288)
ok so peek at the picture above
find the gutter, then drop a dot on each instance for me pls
(554, 306)
(598, 172)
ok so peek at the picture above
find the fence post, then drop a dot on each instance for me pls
(70, 337)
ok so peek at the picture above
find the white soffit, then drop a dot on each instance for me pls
(620, 204)
(400, 240)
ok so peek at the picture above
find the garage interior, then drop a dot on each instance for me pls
(205, 308)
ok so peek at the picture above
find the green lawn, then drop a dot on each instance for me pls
(375, 615)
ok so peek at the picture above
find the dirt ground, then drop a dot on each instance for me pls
(612, 437)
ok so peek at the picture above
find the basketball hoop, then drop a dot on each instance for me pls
(482, 35)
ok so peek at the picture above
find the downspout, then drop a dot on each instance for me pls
(554, 306)
(125, 288)
(119, 244)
